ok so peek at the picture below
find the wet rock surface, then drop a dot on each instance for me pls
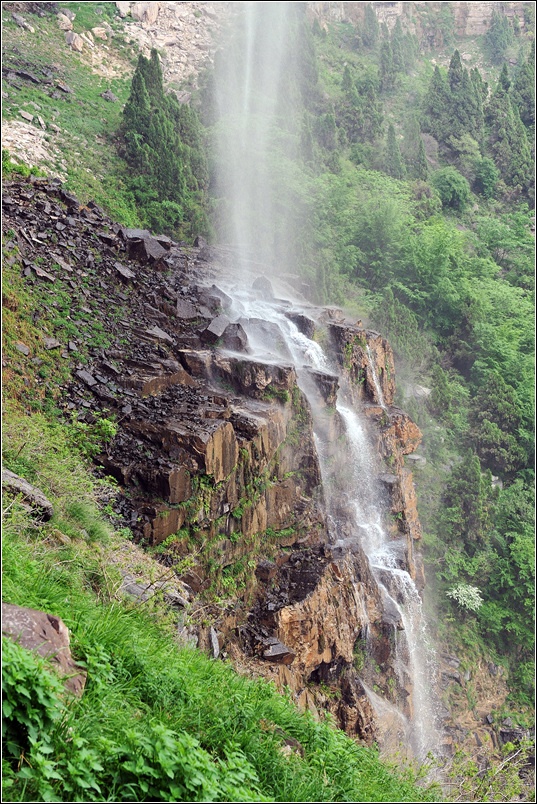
(214, 452)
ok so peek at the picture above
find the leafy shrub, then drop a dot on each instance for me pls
(31, 698)
(452, 187)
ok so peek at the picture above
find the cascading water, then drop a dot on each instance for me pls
(249, 94)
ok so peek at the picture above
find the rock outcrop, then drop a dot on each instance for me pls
(215, 448)
(470, 18)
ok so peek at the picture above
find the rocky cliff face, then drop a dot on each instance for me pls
(215, 453)
(471, 19)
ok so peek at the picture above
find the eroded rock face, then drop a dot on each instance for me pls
(216, 449)
(471, 18)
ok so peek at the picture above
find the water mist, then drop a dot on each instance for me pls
(255, 78)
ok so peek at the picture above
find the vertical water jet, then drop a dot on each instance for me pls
(252, 86)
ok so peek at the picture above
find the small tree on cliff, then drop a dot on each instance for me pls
(164, 148)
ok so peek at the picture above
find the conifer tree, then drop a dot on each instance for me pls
(414, 149)
(523, 90)
(370, 33)
(387, 73)
(393, 162)
(498, 38)
(507, 138)
(163, 144)
(436, 118)
(398, 47)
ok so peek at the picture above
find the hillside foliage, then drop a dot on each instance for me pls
(405, 193)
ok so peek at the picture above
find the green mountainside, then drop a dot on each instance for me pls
(406, 195)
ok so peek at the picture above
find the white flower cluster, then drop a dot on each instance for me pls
(468, 597)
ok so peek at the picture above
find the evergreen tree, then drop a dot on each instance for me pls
(495, 421)
(465, 103)
(480, 86)
(387, 73)
(393, 162)
(370, 32)
(507, 138)
(414, 149)
(163, 144)
(467, 505)
(360, 112)
(523, 90)
(498, 38)
(436, 117)
(398, 47)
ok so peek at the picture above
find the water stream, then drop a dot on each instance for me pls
(251, 88)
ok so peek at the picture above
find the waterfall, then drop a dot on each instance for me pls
(376, 383)
(251, 86)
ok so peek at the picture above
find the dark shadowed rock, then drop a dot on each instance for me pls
(305, 325)
(123, 271)
(234, 337)
(109, 96)
(159, 333)
(276, 651)
(86, 377)
(185, 309)
(264, 287)
(46, 635)
(30, 493)
(215, 330)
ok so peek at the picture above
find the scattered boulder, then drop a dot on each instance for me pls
(46, 635)
(64, 22)
(264, 287)
(109, 96)
(32, 495)
(145, 13)
(21, 22)
(234, 338)
(74, 41)
(276, 651)
(215, 330)
(123, 8)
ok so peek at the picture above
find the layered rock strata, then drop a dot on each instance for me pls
(215, 452)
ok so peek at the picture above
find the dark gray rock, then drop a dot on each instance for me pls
(86, 377)
(304, 324)
(109, 96)
(215, 330)
(22, 348)
(123, 271)
(234, 337)
(264, 287)
(31, 494)
(159, 333)
(276, 651)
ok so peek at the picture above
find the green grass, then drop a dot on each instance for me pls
(84, 150)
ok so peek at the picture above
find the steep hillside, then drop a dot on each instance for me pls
(220, 501)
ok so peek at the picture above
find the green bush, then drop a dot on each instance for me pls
(452, 187)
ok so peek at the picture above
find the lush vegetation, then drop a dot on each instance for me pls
(403, 192)
(164, 149)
